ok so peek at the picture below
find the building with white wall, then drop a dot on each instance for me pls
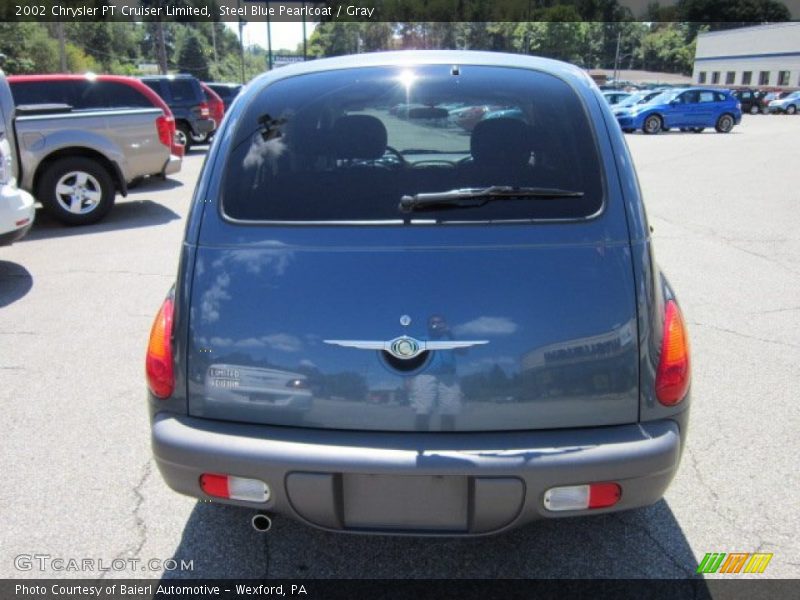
(761, 56)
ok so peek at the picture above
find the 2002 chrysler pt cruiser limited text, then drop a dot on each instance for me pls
(385, 322)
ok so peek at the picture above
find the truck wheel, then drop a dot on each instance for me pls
(754, 109)
(184, 135)
(200, 138)
(724, 124)
(76, 190)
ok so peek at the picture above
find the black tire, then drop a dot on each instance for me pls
(94, 191)
(200, 139)
(652, 125)
(754, 109)
(725, 123)
(698, 129)
(184, 134)
(790, 110)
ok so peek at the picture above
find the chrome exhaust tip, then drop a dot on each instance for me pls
(261, 522)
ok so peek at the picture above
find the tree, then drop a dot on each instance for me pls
(191, 58)
(665, 49)
(28, 48)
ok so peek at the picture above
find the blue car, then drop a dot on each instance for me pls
(383, 327)
(691, 109)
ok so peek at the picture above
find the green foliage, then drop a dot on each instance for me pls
(665, 49)
(192, 58)
(585, 32)
(29, 48)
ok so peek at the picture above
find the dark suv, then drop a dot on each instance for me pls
(384, 324)
(226, 91)
(752, 101)
(185, 97)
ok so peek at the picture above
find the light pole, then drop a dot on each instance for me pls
(241, 40)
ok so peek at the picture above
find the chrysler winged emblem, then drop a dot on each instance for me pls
(405, 347)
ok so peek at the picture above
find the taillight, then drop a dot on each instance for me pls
(234, 488)
(166, 130)
(673, 375)
(204, 109)
(158, 364)
(582, 497)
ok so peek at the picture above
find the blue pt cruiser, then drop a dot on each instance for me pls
(393, 325)
(692, 109)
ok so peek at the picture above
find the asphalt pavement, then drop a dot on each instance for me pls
(76, 305)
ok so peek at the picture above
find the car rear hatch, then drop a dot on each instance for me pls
(511, 323)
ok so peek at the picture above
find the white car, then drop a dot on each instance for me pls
(788, 104)
(16, 205)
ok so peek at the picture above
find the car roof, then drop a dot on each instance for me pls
(575, 75)
(170, 76)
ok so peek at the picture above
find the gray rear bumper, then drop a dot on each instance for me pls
(343, 480)
(173, 165)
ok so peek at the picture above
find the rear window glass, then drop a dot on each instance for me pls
(154, 85)
(347, 145)
(224, 91)
(182, 90)
(43, 92)
(110, 94)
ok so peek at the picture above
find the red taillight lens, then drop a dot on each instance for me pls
(166, 130)
(204, 109)
(234, 488)
(602, 495)
(673, 375)
(215, 485)
(158, 364)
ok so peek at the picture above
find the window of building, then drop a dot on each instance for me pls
(747, 77)
(783, 77)
(715, 77)
(701, 77)
(763, 78)
(730, 77)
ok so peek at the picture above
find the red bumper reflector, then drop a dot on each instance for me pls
(602, 495)
(215, 485)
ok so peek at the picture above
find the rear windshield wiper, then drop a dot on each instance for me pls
(469, 197)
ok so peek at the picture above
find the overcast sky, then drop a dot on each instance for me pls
(284, 35)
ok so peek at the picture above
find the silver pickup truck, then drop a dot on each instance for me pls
(75, 162)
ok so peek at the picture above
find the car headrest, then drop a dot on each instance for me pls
(501, 141)
(358, 137)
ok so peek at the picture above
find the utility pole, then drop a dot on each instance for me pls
(269, 43)
(162, 47)
(62, 46)
(305, 43)
(241, 40)
(214, 40)
(616, 57)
